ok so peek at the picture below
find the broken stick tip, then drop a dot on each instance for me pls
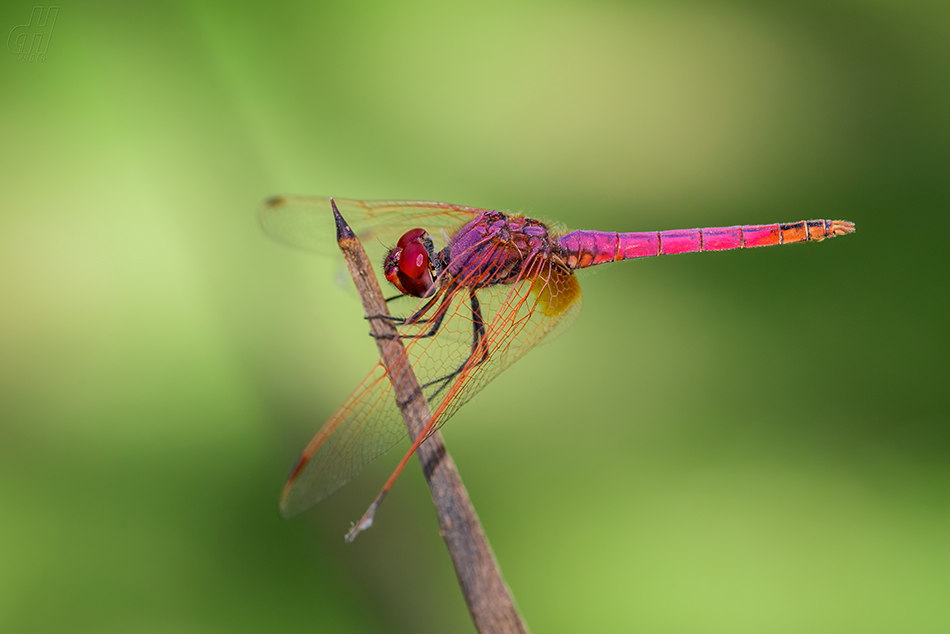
(343, 230)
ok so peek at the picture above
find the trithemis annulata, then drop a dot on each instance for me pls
(491, 286)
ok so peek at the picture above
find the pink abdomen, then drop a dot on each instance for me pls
(589, 248)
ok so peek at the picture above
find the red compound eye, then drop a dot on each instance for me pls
(409, 236)
(414, 261)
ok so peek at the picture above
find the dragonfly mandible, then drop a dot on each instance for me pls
(489, 286)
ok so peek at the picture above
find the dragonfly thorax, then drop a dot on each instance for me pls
(412, 265)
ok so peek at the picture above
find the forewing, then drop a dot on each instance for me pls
(306, 222)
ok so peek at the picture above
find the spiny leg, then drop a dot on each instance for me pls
(396, 320)
(416, 318)
(399, 321)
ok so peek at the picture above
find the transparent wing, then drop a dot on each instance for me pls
(516, 317)
(306, 222)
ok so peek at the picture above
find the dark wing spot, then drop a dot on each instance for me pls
(275, 201)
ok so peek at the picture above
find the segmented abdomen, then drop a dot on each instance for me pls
(589, 248)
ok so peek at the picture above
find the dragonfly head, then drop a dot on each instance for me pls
(410, 265)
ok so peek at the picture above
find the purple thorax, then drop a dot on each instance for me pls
(495, 247)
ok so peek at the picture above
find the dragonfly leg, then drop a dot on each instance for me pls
(478, 333)
(416, 318)
(396, 320)
(399, 321)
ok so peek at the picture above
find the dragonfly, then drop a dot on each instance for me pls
(487, 286)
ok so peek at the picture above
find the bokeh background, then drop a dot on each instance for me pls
(736, 442)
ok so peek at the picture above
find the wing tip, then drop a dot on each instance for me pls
(286, 510)
(275, 202)
(268, 205)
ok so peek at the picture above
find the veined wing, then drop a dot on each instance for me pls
(516, 317)
(306, 222)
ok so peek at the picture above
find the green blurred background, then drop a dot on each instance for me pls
(737, 442)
